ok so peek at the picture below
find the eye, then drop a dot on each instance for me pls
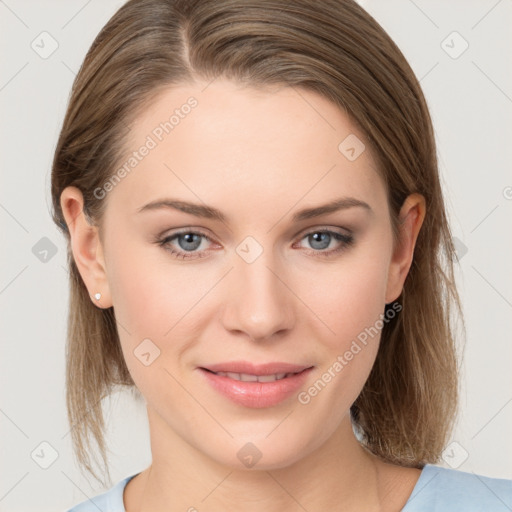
(186, 244)
(321, 239)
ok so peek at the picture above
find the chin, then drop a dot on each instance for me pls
(263, 452)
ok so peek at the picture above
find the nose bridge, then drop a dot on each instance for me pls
(259, 304)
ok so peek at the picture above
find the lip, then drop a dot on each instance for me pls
(256, 394)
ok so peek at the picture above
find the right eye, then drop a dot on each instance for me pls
(185, 244)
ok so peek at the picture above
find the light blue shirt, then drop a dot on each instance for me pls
(437, 490)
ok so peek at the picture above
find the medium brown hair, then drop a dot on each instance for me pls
(408, 405)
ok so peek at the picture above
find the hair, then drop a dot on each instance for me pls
(408, 406)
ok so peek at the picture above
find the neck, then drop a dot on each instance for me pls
(339, 475)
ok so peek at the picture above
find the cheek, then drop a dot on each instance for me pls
(150, 291)
(158, 300)
(352, 306)
(353, 297)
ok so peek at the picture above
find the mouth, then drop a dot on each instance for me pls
(248, 377)
(256, 386)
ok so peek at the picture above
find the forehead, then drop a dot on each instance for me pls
(232, 145)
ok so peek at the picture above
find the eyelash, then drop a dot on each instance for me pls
(346, 242)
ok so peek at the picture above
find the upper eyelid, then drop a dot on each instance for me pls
(307, 231)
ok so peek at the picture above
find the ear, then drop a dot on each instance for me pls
(86, 246)
(411, 218)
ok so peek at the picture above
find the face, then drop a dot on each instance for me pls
(254, 316)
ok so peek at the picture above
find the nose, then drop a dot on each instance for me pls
(258, 301)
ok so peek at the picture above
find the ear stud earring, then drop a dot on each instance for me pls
(97, 296)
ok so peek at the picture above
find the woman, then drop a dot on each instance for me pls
(258, 245)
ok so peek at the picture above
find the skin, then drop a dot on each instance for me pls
(258, 156)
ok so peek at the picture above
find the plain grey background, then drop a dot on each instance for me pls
(469, 92)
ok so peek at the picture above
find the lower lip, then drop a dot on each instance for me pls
(256, 394)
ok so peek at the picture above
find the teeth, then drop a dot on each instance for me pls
(246, 377)
(267, 378)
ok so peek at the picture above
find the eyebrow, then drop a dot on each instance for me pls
(209, 212)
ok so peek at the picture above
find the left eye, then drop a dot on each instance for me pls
(320, 240)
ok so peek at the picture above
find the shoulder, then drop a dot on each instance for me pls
(108, 501)
(442, 489)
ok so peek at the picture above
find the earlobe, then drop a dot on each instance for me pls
(411, 217)
(86, 247)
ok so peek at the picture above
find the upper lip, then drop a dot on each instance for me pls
(256, 369)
